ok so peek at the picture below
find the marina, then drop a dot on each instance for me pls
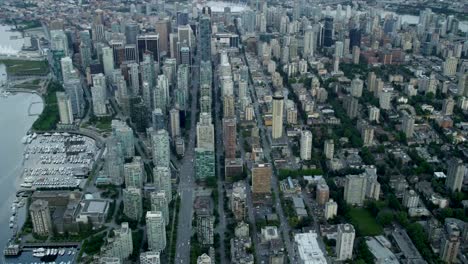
(44, 255)
(56, 161)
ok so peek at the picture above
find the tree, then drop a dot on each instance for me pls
(364, 253)
(385, 218)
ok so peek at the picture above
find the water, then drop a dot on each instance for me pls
(9, 45)
(413, 20)
(26, 257)
(410, 19)
(14, 123)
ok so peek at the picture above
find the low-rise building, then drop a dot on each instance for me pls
(308, 249)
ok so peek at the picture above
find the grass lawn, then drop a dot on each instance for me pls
(32, 85)
(364, 222)
(50, 115)
(101, 123)
(22, 67)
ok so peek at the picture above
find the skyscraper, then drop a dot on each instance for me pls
(206, 75)
(99, 95)
(230, 137)
(356, 87)
(131, 32)
(158, 119)
(331, 209)
(160, 148)
(322, 193)
(309, 42)
(159, 203)
(450, 242)
(306, 145)
(74, 90)
(134, 77)
(407, 125)
(148, 43)
(371, 82)
(450, 66)
(329, 148)
(65, 108)
(356, 54)
(351, 105)
(229, 106)
(345, 241)
(85, 55)
(59, 41)
(185, 56)
(108, 61)
(156, 230)
(447, 106)
(238, 200)
(114, 161)
(367, 135)
(205, 132)
(205, 38)
(161, 95)
(183, 80)
(277, 128)
(455, 174)
(134, 173)
(328, 32)
(355, 37)
(355, 189)
(124, 134)
(163, 28)
(40, 217)
(120, 245)
(162, 181)
(175, 123)
(132, 199)
(68, 72)
(261, 178)
(463, 84)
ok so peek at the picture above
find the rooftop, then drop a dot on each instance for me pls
(309, 249)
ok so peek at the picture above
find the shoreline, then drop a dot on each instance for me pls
(13, 173)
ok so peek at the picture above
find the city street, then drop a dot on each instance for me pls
(284, 226)
(220, 229)
(186, 178)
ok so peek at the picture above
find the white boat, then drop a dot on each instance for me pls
(39, 250)
(24, 139)
(39, 254)
(11, 225)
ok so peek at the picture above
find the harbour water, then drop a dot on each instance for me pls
(15, 121)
